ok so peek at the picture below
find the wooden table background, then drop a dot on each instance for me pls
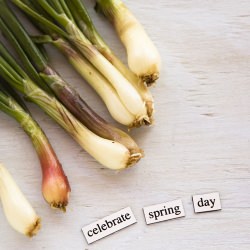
(200, 142)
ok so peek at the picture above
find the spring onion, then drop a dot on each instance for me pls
(143, 57)
(55, 185)
(63, 25)
(109, 153)
(18, 211)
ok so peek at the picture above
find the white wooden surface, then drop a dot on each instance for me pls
(200, 142)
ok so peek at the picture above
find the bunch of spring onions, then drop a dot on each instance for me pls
(43, 74)
(109, 153)
(125, 95)
(143, 57)
(18, 211)
(67, 25)
(55, 185)
(110, 146)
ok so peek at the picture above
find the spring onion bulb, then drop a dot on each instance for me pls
(18, 211)
(143, 57)
(55, 185)
(109, 153)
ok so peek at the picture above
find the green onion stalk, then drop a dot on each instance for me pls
(109, 153)
(42, 73)
(64, 25)
(55, 185)
(143, 57)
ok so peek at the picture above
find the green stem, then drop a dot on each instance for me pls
(61, 18)
(35, 6)
(21, 36)
(10, 75)
(9, 91)
(38, 17)
(10, 106)
(67, 10)
(35, 94)
(57, 6)
(5, 55)
(4, 104)
(26, 61)
(80, 13)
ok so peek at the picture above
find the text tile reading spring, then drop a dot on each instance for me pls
(165, 211)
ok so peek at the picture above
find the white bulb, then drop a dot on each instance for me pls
(18, 211)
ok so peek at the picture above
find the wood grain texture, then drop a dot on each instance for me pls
(200, 142)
